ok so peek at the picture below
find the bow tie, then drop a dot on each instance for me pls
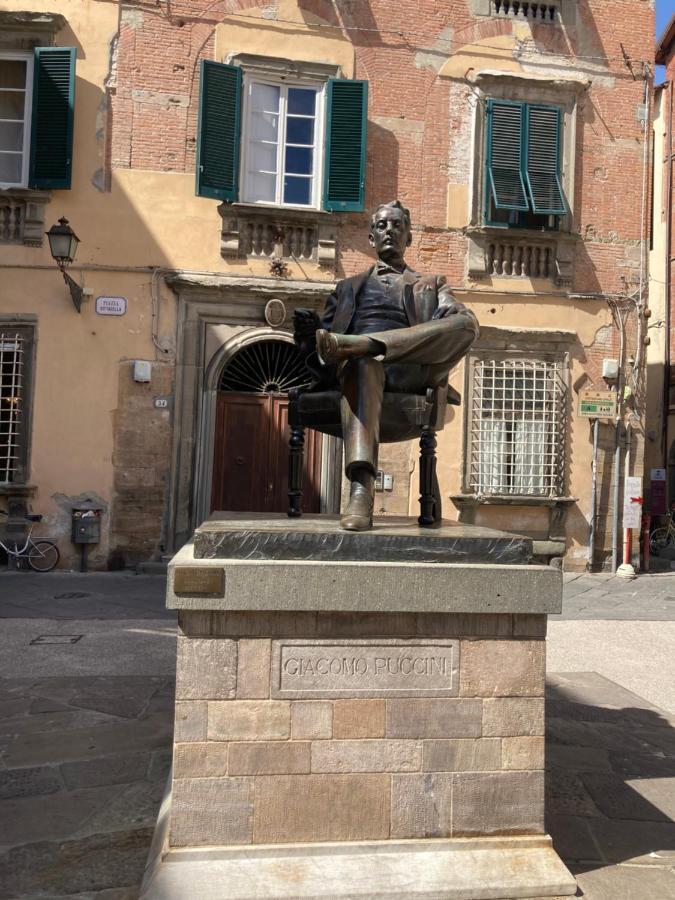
(383, 269)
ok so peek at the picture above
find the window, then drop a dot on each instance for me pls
(283, 129)
(517, 427)
(36, 118)
(523, 178)
(16, 83)
(265, 142)
(15, 365)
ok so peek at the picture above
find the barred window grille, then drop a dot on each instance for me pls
(518, 427)
(12, 392)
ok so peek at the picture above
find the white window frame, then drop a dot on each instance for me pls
(319, 141)
(28, 108)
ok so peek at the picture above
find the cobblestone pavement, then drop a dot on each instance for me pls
(86, 699)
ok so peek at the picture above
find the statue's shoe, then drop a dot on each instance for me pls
(359, 513)
(334, 348)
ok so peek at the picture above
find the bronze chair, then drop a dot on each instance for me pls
(404, 417)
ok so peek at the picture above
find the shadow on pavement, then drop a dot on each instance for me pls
(610, 788)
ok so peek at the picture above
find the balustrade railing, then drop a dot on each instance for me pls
(525, 9)
(12, 217)
(520, 259)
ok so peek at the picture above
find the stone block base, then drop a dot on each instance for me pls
(459, 869)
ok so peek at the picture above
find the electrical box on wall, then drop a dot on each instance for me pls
(610, 369)
(142, 370)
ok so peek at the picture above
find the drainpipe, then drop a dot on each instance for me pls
(594, 495)
(667, 316)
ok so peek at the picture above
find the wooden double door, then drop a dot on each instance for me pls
(250, 460)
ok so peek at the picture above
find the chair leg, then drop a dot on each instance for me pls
(296, 450)
(430, 495)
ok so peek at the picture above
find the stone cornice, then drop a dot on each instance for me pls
(31, 21)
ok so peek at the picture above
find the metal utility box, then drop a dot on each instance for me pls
(86, 525)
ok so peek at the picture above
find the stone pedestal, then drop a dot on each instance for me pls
(357, 715)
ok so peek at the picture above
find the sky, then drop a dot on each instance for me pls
(664, 10)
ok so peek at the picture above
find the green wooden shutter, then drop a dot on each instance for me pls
(542, 171)
(219, 131)
(345, 160)
(51, 145)
(505, 124)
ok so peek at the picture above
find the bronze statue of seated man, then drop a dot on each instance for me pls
(388, 328)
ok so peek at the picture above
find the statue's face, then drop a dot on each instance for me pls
(389, 234)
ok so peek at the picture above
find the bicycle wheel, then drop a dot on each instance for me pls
(43, 556)
(659, 539)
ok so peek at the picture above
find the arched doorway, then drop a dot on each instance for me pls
(250, 459)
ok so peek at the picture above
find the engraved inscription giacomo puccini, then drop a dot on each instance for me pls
(404, 668)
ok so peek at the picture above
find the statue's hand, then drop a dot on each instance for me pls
(305, 323)
(448, 309)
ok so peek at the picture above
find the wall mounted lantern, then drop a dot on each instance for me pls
(63, 246)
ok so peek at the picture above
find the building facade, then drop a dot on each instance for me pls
(219, 162)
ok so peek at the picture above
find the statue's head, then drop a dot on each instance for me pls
(390, 231)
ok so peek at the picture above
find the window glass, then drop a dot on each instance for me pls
(280, 153)
(297, 190)
(301, 102)
(13, 74)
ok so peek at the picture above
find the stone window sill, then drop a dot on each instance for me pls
(251, 231)
(518, 253)
(22, 216)
(465, 500)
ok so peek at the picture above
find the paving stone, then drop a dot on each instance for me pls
(481, 754)
(207, 759)
(498, 803)
(523, 752)
(206, 669)
(313, 808)
(273, 758)
(16, 706)
(160, 765)
(50, 816)
(125, 696)
(582, 759)
(640, 843)
(191, 720)
(354, 719)
(86, 743)
(132, 806)
(211, 811)
(29, 782)
(638, 765)
(249, 720)
(67, 866)
(421, 805)
(618, 800)
(566, 794)
(253, 669)
(572, 839)
(513, 716)
(119, 769)
(508, 668)
(311, 720)
(626, 883)
(44, 723)
(430, 718)
(367, 756)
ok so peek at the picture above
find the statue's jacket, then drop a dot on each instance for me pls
(422, 296)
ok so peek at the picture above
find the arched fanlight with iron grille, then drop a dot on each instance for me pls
(266, 367)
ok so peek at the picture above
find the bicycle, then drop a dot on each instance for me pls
(42, 555)
(664, 536)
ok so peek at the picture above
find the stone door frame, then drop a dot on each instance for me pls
(216, 317)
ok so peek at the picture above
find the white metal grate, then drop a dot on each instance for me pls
(518, 427)
(12, 352)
